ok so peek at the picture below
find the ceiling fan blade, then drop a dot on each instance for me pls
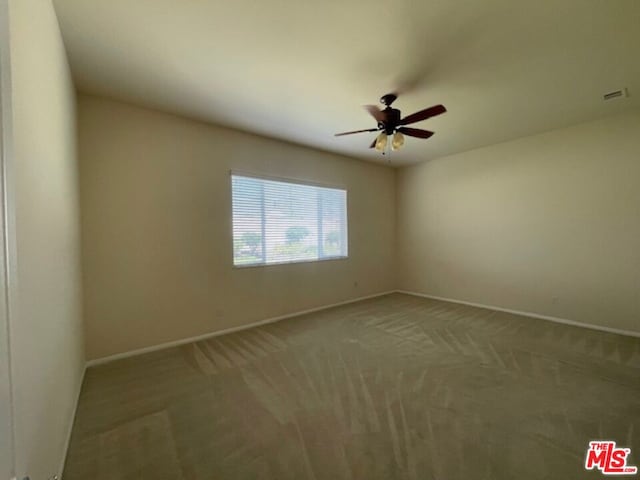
(356, 131)
(373, 144)
(423, 114)
(375, 112)
(415, 132)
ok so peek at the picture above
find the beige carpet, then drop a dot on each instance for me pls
(396, 387)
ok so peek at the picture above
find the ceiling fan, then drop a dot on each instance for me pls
(391, 123)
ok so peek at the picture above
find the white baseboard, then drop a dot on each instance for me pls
(70, 429)
(564, 321)
(176, 343)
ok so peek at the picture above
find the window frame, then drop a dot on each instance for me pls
(296, 181)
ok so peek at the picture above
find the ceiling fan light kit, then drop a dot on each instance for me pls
(391, 123)
(381, 142)
(398, 141)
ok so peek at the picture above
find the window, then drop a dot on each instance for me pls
(277, 221)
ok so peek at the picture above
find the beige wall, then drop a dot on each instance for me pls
(156, 228)
(46, 326)
(548, 224)
(6, 412)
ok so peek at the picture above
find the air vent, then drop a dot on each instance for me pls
(616, 94)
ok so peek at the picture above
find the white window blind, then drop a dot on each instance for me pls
(280, 222)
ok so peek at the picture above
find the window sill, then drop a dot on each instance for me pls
(291, 262)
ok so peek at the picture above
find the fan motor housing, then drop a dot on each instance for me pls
(392, 119)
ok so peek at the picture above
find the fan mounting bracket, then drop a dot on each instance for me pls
(388, 99)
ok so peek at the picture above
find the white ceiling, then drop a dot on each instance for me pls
(300, 70)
